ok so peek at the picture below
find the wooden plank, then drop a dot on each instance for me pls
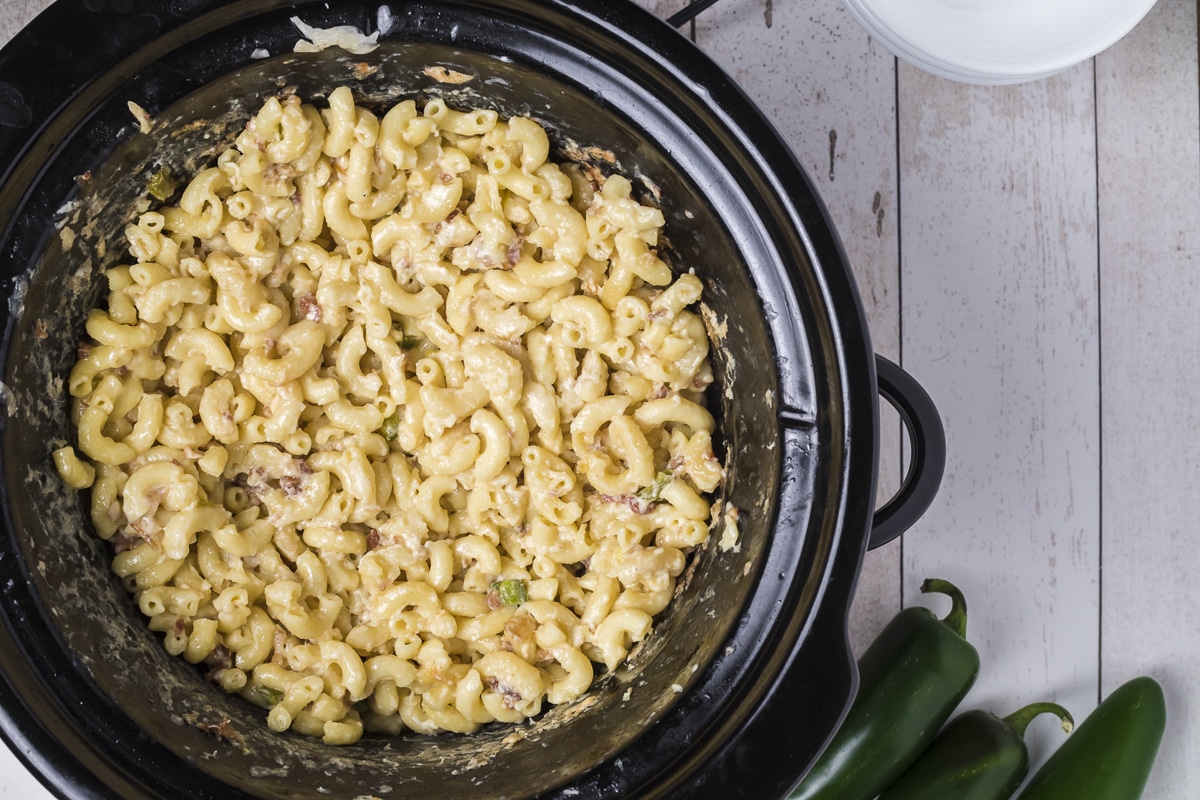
(830, 90)
(1148, 118)
(998, 243)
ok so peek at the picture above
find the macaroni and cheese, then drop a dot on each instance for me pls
(394, 422)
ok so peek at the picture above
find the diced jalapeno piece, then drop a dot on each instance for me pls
(390, 427)
(653, 492)
(271, 697)
(160, 185)
(511, 592)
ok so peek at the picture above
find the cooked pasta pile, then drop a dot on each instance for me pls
(393, 422)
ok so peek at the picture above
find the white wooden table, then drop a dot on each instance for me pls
(1030, 254)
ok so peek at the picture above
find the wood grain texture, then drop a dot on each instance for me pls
(831, 93)
(1150, 294)
(998, 237)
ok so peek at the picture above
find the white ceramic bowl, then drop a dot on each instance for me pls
(998, 41)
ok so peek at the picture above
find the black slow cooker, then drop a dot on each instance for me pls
(747, 673)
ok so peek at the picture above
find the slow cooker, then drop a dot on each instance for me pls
(748, 671)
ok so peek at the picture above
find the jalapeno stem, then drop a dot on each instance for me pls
(1019, 720)
(956, 620)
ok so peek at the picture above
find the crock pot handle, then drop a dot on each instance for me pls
(928, 440)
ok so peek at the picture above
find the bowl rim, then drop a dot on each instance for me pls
(962, 50)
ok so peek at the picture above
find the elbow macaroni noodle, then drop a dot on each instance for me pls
(394, 423)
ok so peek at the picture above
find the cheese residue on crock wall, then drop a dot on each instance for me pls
(141, 115)
(6, 399)
(347, 37)
(446, 75)
(731, 536)
(16, 299)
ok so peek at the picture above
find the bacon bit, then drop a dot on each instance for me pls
(636, 504)
(219, 660)
(39, 329)
(445, 177)
(83, 350)
(514, 250)
(372, 539)
(675, 463)
(122, 543)
(291, 486)
(493, 600)
(702, 381)
(219, 657)
(660, 391)
(180, 626)
(511, 696)
(222, 730)
(278, 173)
(520, 628)
(148, 530)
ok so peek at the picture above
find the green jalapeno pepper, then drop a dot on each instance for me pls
(1111, 753)
(911, 679)
(977, 756)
